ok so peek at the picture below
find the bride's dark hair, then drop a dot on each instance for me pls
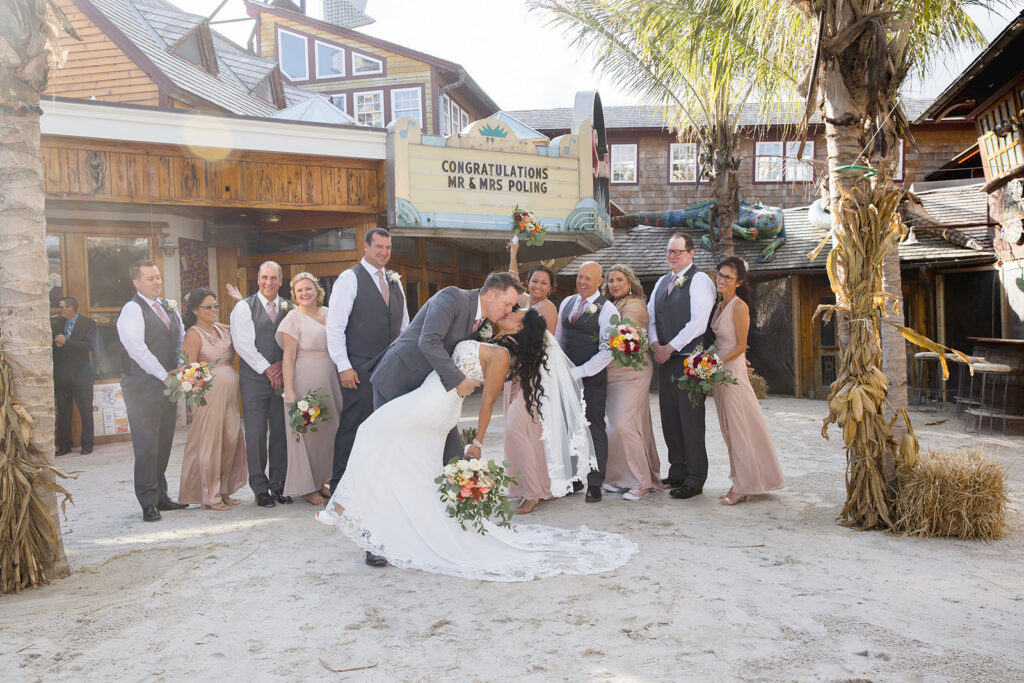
(528, 354)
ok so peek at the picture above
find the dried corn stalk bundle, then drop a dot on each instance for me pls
(28, 536)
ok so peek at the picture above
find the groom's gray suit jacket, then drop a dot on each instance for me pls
(427, 344)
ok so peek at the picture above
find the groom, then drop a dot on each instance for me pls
(679, 309)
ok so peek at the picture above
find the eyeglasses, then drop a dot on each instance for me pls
(211, 307)
(725, 278)
(678, 252)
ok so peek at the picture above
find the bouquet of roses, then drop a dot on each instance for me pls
(474, 490)
(307, 412)
(192, 380)
(627, 342)
(701, 371)
(523, 224)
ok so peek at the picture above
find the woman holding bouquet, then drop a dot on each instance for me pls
(307, 367)
(633, 465)
(753, 463)
(214, 464)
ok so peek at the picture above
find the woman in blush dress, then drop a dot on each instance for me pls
(523, 445)
(306, 367)
(634, 469)
(214, 464)
(753, 462)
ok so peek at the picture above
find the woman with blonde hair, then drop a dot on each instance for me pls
(307, 366)
(633, 465)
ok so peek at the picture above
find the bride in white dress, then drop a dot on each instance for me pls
(389, 505)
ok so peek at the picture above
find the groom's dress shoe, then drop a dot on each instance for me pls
(684, 492)
(264, 500)
(672, 483)
(63, 450)
(150, 514)
(375, 560)
(168, 504)
(593, 494)
(577, 486)
(281, 498)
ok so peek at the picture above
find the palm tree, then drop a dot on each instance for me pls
(30, 542)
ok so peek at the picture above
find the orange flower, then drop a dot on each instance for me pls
(686, 363)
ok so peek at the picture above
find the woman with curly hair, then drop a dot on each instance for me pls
(389, 505)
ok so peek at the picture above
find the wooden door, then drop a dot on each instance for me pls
(825, 344)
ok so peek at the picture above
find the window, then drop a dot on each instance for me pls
(446, 115)
(772, 166)
(464, 120)
(340, 101)
(767, 162)
(364, 66)
(330, 61)
(369, 108)
(55, 269)
(623, 163)
(407, 102)
(110, 259)
(189, 49)
(439, 253)
(1000, 141)
(799, 171)
(292, 55)
(682, 164)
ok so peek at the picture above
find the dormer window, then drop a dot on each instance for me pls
(330, 61)
(292, 55)
(363, 65)
(197, 47)
(271, 89)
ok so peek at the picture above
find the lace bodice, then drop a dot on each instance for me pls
(467, 359)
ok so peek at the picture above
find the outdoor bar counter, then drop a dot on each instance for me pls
(1008, 352)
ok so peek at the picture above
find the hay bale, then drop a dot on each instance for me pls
(959, 494)
(760, 386)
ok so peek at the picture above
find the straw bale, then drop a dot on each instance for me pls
(760, 386)
(959, 494)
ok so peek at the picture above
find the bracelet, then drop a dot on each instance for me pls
(478, 444)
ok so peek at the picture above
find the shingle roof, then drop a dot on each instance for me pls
(643, 247)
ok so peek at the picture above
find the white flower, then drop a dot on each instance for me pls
(186, 386)
(303, 405)
(475, 465)
(285, 305)
(681, 280)
(170, 304)
(486, 331)
(451, 496)
(393, 276)
(591, 309)
(464, 465)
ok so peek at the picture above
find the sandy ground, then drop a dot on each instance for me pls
(768, 590)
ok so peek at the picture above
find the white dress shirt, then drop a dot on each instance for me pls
(131, 330)
(703, 295)
(343, 296)
(600, 360)
(243, 332)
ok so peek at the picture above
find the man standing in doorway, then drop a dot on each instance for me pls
(74, 343)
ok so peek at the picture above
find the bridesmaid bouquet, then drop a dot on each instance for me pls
(523, 224)
(307, 412)
(628, 343)
(192, 381)
(474, 491)
(701, 371)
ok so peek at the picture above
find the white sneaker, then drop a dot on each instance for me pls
(634, 494)
(608, 488)
(327, 516)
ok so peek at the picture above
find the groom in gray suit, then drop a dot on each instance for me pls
(450, 316)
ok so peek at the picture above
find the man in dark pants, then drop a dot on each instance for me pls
(680, 309)
(582, 319)
(254, 322)
(74, 343)
(151, 333)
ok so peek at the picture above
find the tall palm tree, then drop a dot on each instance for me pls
(30, 540)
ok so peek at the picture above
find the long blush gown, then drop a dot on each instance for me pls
(524, 448)
(214, 461)
(311, 456)
(753, 462)
(632, 454)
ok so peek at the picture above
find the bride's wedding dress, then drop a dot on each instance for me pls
(392, 506)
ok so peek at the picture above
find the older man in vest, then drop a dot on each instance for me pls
(150, 332)
(254, 321)
(582, 320)
(680, 309)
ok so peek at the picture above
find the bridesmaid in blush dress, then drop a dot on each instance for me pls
(634, 469)
(307, 366)
(214, 464)
(753, 462)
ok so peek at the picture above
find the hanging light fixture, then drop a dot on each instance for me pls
(911, 237)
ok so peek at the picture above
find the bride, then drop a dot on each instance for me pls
(389, 505)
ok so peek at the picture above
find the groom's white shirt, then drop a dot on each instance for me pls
(131, 330)
(243, 332)
(703, 295)
(343, 296)
(600, 360)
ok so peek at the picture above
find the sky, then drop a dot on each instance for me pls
(518, 60)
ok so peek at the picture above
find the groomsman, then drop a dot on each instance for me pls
(74, 343)
(582, 320)
(254, 322)
(151, 333)
(366, 314)
(680, 309)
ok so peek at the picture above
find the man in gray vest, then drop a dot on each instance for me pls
(366, 314)
(680, 309)
(254, 321)
(151, 333)
(582, 320)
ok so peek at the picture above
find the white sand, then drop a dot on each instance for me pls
(771, 590)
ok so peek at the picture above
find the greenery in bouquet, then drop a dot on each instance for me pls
(702, 370)
(307, 412)
(627, 342)
(527, 228)
(475, 491)
(191, 380)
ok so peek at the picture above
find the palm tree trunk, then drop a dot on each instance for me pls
(894, 346)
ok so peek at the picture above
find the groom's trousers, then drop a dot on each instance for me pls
(151, 418)
(682, 424)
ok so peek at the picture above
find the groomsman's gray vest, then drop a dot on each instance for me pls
(672, 312)
(580, 340)
(161, 342)
(265, 342)
(372, 326)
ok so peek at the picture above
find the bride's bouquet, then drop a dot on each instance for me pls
(306, 413)
(627, 342)
(702, 370)
(475, 491)
(192, 381)
(525, 226)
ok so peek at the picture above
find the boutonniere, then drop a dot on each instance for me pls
(393, 277)
(681, 280)
(285, 305)
(486, 330)
(170, 305)
(591, 309)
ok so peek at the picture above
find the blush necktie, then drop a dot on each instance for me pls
(272, 311)
(579, 311)
(384, 288)
(162, 314)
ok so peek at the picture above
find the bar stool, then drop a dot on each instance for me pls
(922, 360)
(991, 405)
(963, 376)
